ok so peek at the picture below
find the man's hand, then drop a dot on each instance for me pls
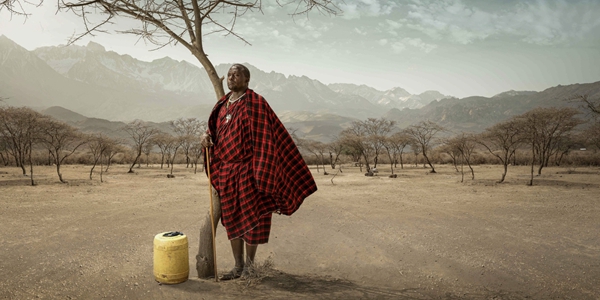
(206, 141)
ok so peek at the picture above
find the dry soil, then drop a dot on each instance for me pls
(418, 236)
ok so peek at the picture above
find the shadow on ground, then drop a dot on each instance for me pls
(280, 285)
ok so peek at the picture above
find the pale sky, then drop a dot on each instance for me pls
(458, 47)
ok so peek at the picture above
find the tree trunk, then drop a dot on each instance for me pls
(205, 259)
(428, 162)
(58, 172)
(101, 168)
(505, 171)
(134, 162)
(94, 166)
(532, 164)
(31, 165)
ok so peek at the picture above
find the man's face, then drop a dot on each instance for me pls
(236, 80)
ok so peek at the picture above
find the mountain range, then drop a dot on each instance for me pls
(104, 85)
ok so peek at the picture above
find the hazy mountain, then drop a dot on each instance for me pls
(185, 84)
(477, 113)
(27, 80)
(99, 90)
(397, 97)
(512, 93)
(112, 129)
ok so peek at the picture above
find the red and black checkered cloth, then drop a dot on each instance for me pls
(255, 166)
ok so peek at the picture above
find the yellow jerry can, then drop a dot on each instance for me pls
(171, 258)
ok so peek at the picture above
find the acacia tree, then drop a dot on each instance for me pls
(465, 143)
(140, 134)
(61, 140)
(355, 137)
(19, 129)
(462, 146)
(98, 144)
(182, 22)
(449, 147)
(318, 149)
(147, 151)
(394, 146)
(161, 140)
(546, 131)
(592, 135)
(504, 137)
(113, 148)
(593, 105)
(196, 151)
(189, 130)
(377, 131)
(423, 135)
(335, 149)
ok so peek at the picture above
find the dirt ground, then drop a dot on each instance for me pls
(418, 236)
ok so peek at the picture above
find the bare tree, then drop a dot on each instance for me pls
(318, 149)
(162, 140)
(504, 137)
(19, 131)
(18, 126)
(147, 151)
(140, 134)
(462, 146)
(593, 105)
(377, 132)
(592, 135)
(394, 146)
(173, 144)
(449, 147)
(196, 151)
(61, 140)
(98, 144)
(546, 129)
(113, 148)
(356, 138)
(189, 130)
(423, 135)
(335, 149)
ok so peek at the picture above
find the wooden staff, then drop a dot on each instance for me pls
(212, 217)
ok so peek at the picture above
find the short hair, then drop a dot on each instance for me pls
(243, 68)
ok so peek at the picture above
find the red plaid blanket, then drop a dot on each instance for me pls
(278, 168)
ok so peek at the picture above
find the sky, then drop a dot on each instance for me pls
(458, 47)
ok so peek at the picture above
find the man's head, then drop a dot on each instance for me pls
(238, 78)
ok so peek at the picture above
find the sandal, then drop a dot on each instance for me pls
(235, 273)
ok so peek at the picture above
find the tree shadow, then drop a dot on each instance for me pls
(312, 286)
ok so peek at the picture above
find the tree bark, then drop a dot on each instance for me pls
(205, 259)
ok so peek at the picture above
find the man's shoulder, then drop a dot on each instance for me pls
(255, 95)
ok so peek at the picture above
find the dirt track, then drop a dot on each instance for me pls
(419, 236)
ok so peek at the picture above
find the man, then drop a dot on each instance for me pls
(256, 168)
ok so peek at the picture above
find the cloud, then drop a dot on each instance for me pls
(359, 31)
(416, 43)
(355, 9)
(398, 47)
(544, 22)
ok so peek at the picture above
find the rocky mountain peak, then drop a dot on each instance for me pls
(92, 46)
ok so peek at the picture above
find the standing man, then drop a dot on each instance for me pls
(256, 168)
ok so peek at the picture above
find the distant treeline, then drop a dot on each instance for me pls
(540, 137)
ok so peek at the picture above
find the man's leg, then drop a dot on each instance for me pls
(237, 248)
(250, 253)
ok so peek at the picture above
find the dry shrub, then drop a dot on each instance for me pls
(257, 272)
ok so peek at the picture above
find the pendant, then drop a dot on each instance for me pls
(227, 118)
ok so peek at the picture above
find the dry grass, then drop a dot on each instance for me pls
(258, 271)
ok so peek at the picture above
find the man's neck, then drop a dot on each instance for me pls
(236, 94)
